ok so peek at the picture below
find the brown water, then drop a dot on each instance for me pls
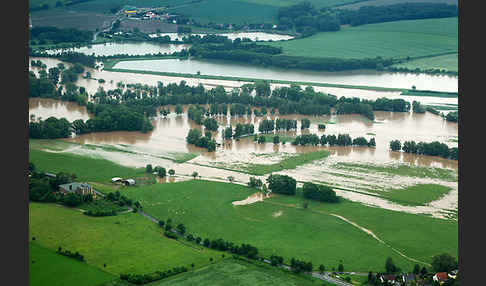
(169, 134)
(112, 78)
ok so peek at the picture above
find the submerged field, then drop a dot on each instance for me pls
(126, 243)
(398, 39)
(279, 225)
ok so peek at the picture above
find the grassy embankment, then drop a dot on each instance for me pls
(125, 242)
(46, 267)
(280, 225)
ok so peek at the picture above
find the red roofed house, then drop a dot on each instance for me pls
(440, 277)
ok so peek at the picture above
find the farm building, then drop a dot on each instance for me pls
(440, 277)
(77, 188)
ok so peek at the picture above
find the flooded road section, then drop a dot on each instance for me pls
(112, 78)
(169, 135)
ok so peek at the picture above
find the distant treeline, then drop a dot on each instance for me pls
(54, 35)
(265, 55)
(422, 148)
(332, 140)
(308, 20)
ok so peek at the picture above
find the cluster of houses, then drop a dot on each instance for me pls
(144, 14)
(410, 278)
(77, 188)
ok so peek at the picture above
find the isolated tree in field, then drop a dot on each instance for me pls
(178, 109)
(372, 143)
(395, 145)
(171, 172)
(148, 168)
(416, 269)
(322, 268)
(161, 172)
(282, 184)
(340, 267)
(231, 179)
(390, 266)
(276, 139)
(194, 174)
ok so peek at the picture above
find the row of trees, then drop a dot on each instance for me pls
(332, 140)
(140, 279)
(434, 148)
(52, 35)
(308, 20)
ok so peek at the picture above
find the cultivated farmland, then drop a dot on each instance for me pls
(399, 39)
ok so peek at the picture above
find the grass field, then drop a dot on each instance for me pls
(46, 267)
(86, 168)
(359, 4)
(280, 225)
(392, 39)
(445, 62)
(417, 195)
(402, 170)
(430, 93)
(238, 272)
(126, 242)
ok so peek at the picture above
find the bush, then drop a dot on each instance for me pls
(319, 193)
(282, 184)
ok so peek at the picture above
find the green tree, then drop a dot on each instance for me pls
(276, 139)
(282, 184)
(395, 145)
(444, 263)
(171, 172)
(178, 109)
(416, 269)
(322, 268)
(340, 267)
(148, 168)
(390, 266)
(194, 174)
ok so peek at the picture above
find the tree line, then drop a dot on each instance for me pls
(332, 140)
(308, 20)
(434, 148)
(53, 35)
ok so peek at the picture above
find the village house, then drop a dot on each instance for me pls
(440, 277)
(77, 188)
(389, 278)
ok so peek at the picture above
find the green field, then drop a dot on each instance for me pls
(280, 225)
(126, 242)
(444, 62)
(391, 2)
(402, 170)
(86, 168)
(238, 272)
(46, 267)
(398, 39)
(289, 162)
(417, 195)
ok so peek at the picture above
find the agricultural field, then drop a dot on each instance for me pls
(359, 4)
(46, 267)
(126, 243)
(60, 18)
(417, 195)
(400, 39)
(239, 272)
(444, 62)
(279, 225)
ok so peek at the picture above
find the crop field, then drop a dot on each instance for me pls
(445, 62)
(391, 2)
(398, 39)
(49, 268)
(60, 18)
(279, 225)
(239, 272)
(125, 243)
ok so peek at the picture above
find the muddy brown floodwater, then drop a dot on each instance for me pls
(169, 134)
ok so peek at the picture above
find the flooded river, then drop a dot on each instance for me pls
(254, 36)
(112, 78)
(125, 48)
(169, 134)
(361, 78)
